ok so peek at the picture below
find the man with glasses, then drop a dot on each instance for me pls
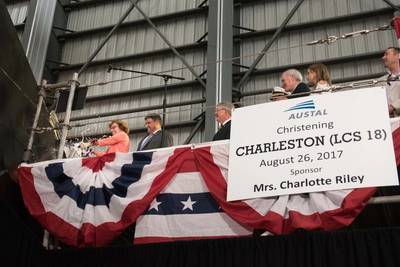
(223, 113)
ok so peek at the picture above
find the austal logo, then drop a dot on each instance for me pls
(303, 105)
(309, 106)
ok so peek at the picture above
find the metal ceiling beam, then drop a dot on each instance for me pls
(171, 46)
(146, 90)
(128, 24)
(268, 45)
(81, 4)
(203, 10)
(135, 110)
(237, 38)
(337, 60)
(87, 3)
(179, 85)
(19, 26)
(182, 48)
(315, 23)
(193, 11)
(242, 36)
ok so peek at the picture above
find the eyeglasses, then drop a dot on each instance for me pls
(113, 127)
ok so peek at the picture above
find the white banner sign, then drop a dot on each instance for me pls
(317, 143)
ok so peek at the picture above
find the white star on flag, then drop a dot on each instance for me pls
(155, 204)
(188, 204)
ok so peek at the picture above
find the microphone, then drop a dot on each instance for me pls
(110, 67)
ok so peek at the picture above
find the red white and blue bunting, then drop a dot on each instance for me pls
(171, 194)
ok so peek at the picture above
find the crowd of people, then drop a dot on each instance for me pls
(292, 86)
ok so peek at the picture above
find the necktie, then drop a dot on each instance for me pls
(145, 141)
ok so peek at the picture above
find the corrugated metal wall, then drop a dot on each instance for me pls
(291, 49)
(130, 41)
(132, 46)
(108, 12)
(18, 12)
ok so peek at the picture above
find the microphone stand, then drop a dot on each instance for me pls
(166, 78)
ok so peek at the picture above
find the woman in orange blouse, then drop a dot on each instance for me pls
(118, 142)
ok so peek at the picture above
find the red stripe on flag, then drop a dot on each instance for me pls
(396, 144)
(330, 220)
(238, 210)
(90, 235)
(97, 163)
(48, 220)
(351, 206)
(188, 164)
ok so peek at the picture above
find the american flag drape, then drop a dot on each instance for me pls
(171, 194)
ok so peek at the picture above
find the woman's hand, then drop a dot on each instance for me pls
(94, 142)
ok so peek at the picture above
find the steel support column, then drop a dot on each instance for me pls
(65, 126)
(36, 36)
(54, 50)
(220, 46)
(236, 66)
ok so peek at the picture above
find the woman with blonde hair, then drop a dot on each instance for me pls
(118, 141)
(318, 77)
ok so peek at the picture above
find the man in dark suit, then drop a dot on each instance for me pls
(292, 83)
(223, 113)
(156, 137)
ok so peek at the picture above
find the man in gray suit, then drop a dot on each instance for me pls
(156, 137)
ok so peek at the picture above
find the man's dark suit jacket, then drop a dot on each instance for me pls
(155, 141)
(301, 88)
(224, 132)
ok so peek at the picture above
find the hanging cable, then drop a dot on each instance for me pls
(332, 39)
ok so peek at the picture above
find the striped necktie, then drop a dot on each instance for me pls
(145, 141)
